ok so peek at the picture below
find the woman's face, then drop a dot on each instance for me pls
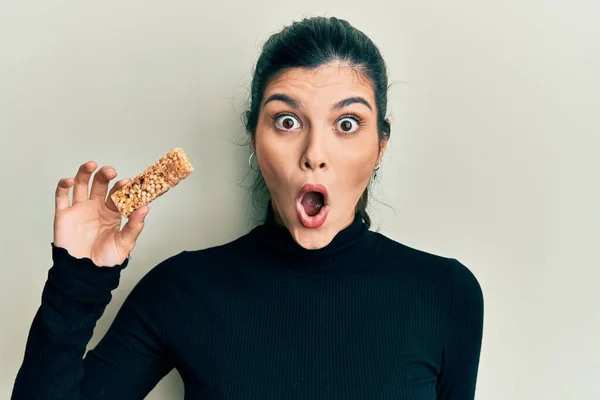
(317, 145)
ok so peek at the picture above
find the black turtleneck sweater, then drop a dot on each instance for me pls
(262, 318)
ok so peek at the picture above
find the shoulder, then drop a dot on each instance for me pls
(448, 272)
(405, 256)
(190, 269)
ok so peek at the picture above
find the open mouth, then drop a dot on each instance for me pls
(312, 206)
(312, 203)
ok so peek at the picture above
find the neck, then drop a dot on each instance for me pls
(349, 244)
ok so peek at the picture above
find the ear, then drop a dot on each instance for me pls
(384, 142)
(252, 142)
(382, 148)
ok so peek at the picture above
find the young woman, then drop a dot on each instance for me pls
(309, 305)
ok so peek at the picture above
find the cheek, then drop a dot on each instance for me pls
(359, 173)
(360, 161)
(274, 160)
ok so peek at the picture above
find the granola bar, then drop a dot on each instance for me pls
(155, 181)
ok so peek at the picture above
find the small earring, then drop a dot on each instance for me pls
(250, 162)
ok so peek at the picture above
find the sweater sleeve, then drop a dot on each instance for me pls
(458, 376)
(126, 364)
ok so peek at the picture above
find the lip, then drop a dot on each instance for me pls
(316, 221)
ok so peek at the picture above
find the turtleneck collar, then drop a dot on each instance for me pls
(343, 251)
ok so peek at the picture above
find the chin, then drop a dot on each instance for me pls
(311, 239)
(311, 232)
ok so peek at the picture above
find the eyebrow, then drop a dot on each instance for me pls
(351, 100)
(285, 98)
(337, 106)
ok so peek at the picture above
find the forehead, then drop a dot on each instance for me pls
(329, 82)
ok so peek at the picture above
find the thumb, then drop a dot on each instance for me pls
(132, 229)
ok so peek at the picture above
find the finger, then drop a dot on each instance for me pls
(100, 183)
(80, 190)
(61, 197)
(109, 202)
(132, 229)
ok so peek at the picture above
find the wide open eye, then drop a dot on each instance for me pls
(287, 122)
(348, 125)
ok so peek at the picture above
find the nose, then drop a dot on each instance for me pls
(314, 156)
